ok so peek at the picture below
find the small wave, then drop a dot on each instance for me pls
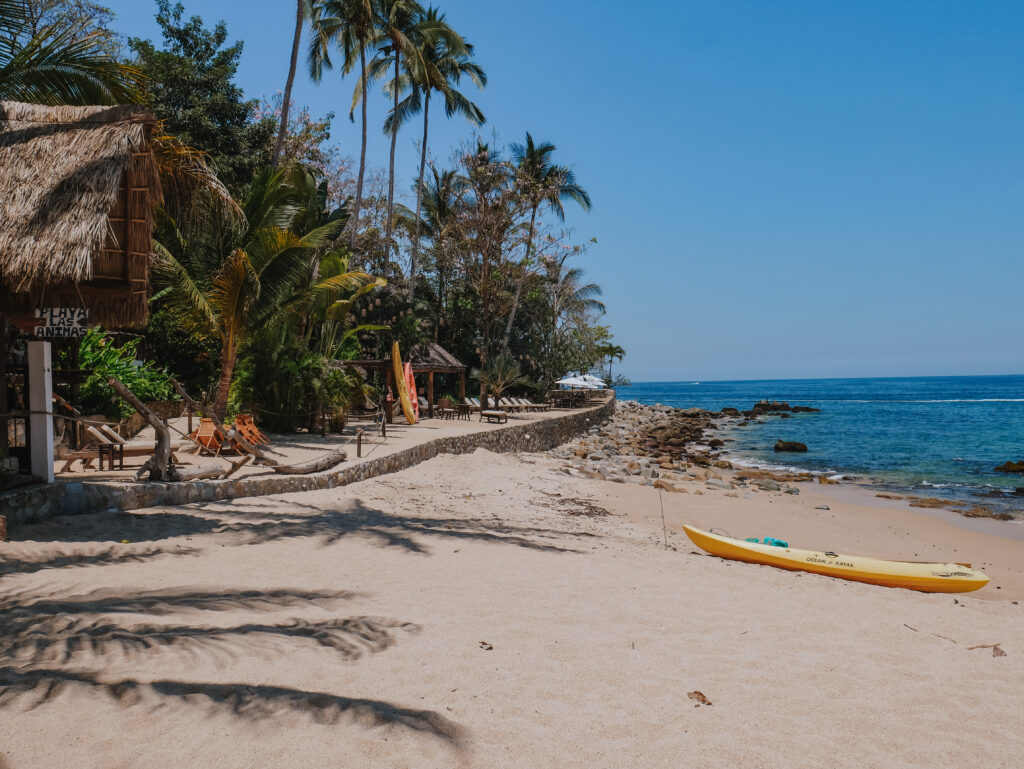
(931, 400)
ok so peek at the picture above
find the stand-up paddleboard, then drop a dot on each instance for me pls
(401, 386)
(926, 577)
(410, 382)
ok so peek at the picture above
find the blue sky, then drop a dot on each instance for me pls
(786, 189)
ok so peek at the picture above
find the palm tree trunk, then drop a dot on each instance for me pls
(357, 204)
(419, 199)
(391, 174)
(522, 279)
(228, 358)
(283, 129)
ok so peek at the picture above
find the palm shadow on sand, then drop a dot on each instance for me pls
(245, 524)
(36, 687)
(42, 634)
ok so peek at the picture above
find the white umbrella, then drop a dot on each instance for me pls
(575, 381)
(593, 380)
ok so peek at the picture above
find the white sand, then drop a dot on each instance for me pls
(358, 644)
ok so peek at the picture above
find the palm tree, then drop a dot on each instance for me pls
(543, 183)
(351, 24)
(301, 10)
(501, 373)
(611, 352)
(58, 66)
(444, 59)
(395, 23)
(237, 282)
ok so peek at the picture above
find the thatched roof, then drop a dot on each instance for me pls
(64, 169)
(433, 357)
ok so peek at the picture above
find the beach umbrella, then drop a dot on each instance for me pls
(593, 380)
(577, 382)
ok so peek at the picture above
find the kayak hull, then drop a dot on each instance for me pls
(926, 577)
(401, 386)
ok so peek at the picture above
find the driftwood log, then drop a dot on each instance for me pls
(159, 466)
(231, 437)
(326, 462)
(211, 470)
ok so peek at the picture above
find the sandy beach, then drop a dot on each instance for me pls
(487, 610)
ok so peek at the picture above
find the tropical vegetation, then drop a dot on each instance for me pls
(281, 257)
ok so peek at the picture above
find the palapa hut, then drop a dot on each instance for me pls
(76, 210)
(430, 359)
(77, 191)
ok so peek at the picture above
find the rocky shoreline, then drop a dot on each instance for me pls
(679, 451)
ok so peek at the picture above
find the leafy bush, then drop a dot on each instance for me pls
(99, 355)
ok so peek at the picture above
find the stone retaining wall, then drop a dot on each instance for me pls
(38, 502)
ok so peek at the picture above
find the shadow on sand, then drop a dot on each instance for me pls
(247, 524)
(42, 633)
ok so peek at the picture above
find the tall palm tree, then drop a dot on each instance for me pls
(301, 10)
(237, 282)
(543, 183)
(396, 20)
(444, 59)
(58, 66)
(351, 25)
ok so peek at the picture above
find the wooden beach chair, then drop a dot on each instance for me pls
(206, 435)
(494, 415)
(249, 430)
(119, 449)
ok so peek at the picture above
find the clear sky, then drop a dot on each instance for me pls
(785, 189)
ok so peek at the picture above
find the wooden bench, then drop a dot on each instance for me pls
(493, 416)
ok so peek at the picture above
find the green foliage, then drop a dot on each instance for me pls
(287, 384)
(501, 373)
(192, 89)
(47, 58)
(190, 357)
(98, 354)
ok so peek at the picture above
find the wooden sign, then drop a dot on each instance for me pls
(61, 322)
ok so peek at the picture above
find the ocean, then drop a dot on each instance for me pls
(930, 436)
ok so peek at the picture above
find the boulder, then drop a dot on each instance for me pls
(805, 410)
(767, 485)
(781, 445)
(716, 443)
(714, 483)
(729, 411)
(1014, 468)
(792, 490)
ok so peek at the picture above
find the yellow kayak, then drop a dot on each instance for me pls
(927, 577)
(401, 386)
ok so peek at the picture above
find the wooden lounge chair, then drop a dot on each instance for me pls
(249, 430)
(124, 449)
(206, 435)
(494, 415)
(473, 403)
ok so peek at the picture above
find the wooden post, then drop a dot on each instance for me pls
(189, 420)
(159, 465)
(40, 405)
(462, 385)
(359, 442)
(430, 394)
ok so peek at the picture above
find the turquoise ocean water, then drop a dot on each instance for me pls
(933, 436)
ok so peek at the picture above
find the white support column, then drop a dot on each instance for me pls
(40, 403)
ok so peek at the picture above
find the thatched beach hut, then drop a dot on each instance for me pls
(77, 191)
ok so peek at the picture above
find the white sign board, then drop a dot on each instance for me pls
(61, 322)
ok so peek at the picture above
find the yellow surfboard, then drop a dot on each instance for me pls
(403, 388)
(927, 577)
